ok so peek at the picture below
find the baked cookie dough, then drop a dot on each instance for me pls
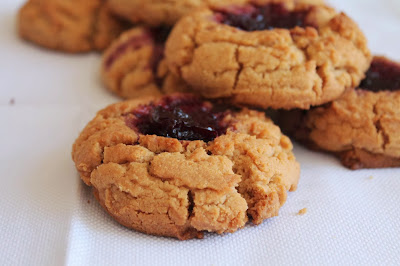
(134, 65)
(69, 25)
(161, 12)
(362, 127)
(177, 165)
(278, 54)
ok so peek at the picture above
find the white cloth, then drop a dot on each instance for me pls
(48, 217)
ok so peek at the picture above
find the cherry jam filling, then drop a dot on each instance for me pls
(383, 75)
(266, 17)
(181, 117)
(155, 37)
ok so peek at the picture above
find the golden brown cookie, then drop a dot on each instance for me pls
(161, 12)
(362, 127)
(283, 54)
(133, 66)
(69, 25)
(177, 166)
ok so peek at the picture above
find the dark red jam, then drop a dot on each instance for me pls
(182, 117)
(383, 75)
(155, 37)
(266, 17)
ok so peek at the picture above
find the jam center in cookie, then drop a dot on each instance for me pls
(383, 75)
(180, 117)
(266, 17)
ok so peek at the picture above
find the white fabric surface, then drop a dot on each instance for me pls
(48, 217)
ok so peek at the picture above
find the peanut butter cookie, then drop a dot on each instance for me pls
(278, 54)
(177, 166)
(161, 12)
(361, 127)
(69, 25)
(134, 65)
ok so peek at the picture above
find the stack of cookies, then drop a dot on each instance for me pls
(192, 149)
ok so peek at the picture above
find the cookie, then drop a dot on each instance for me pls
(177, 165)
(69, 25)
(280, 54)
(361, 127)
(160, 12)
(133, 66)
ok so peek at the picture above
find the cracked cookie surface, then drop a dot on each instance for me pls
(362, 126)
(161, 12)
(286, 68)
(69, 25)
(164, 186)
(134, 65)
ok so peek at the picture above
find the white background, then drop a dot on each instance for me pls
(48, 217)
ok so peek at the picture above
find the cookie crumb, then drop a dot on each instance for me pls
(302, 211)
(12, 101)
(370, 177)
